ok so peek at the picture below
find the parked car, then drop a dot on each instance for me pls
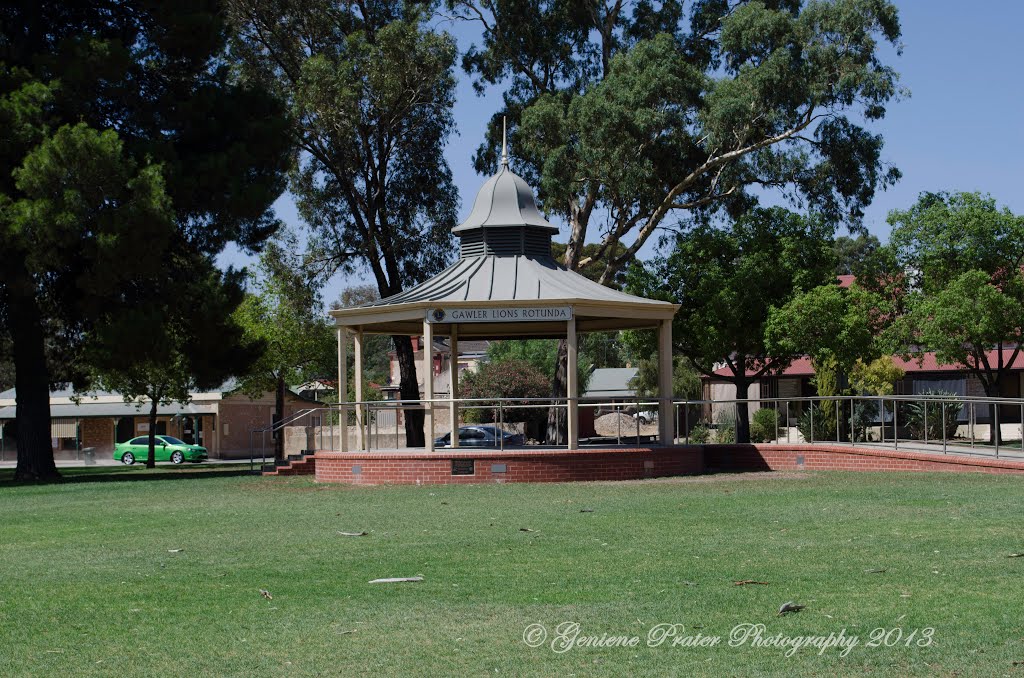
(481, 436)
(646, 417)
(167, 448)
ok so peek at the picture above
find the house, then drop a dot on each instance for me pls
(923, 374)
(220, 420)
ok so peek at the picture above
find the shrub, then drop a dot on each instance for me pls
(824, 422)
(506, 379)
(700, 433)
(914, 415)
(764, 425)
(725, 432)
(864, 415)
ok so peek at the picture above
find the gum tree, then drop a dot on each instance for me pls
(371, 89)
(630, 116)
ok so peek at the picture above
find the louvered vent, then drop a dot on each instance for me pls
(472, 244)
(538, 243)
(507, 241)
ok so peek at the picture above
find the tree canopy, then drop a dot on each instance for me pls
(726, 281)
(629, 114)
(128, 140)
(284, 313)
(371, 90)
(961, 256)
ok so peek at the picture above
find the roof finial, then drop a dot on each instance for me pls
(504, 143)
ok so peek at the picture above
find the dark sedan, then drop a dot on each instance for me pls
(481, 436)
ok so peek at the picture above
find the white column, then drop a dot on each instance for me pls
(573, 384)
(361, 437)
(665, 414)
(428, 385)
(453, 380)
(342, 390)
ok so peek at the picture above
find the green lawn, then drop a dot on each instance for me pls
(88, 585)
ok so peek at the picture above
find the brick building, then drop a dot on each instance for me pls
(220, 420)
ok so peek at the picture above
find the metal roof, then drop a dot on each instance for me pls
(122, 409)
(509, 278)
(504, 200)
(611, 382)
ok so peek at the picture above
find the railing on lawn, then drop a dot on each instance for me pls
(933, 423)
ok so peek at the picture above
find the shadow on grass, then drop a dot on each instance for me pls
(108, 474)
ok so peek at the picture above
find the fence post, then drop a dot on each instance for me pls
(812, 424)
(895, 425)
(926, 423)
(943, 427)
(970, 423)
(838, 427)
(686, 422)
(995, 418)
(501, 426)
(787, 422)
(852, 433)
(881, 419)
(776, 441)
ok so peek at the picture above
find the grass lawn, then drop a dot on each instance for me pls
(89, 585)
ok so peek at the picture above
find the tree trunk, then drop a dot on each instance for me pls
(279, 417)
(410, 390)
(558, 422)
(742, 412)
(31, 380)
(154, 403)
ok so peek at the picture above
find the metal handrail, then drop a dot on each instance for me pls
(885, 420)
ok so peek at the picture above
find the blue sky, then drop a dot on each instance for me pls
(962, 128)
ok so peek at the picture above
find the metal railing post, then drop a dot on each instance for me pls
(943, 427)
(637, 417)
(895, 429)
(787, 422)
(926, 423)
(838, 427)
(970, 423)
(812, 425)
(776, 441)
(686, 423)
(881, 420)
(996, 432)
(501, 426)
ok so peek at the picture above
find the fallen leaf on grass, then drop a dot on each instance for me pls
(175, 550)
(395, 580)
(345, 633)
(744, 582)
(353, 534)
(790, 607)
(266, 594)
(526, 529)
(876, 570)
(586, 510)
(1016, 555)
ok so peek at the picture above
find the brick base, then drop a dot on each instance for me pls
(509, 466)
(772, 457)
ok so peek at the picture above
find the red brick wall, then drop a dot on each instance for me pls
(771, 457)
(521, 466)
(243, 415)
(99, 433)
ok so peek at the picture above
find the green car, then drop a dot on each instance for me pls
(168, 448)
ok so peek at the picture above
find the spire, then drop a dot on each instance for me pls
(504, 143)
